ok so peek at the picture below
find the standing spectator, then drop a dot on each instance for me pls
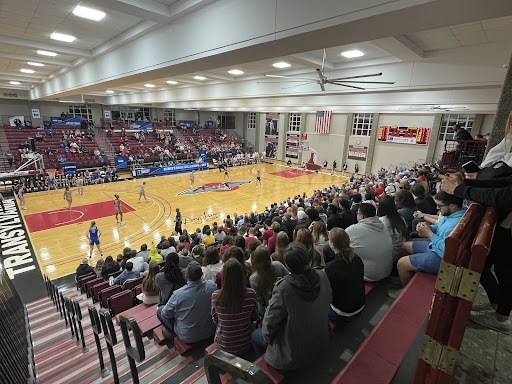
(305, 237)
(178, 222)
(320, 237)
(333, 219)
(294, 329)
(234, 307)
(346, 276)
(282, 242)
(271, 243)
(187, 313)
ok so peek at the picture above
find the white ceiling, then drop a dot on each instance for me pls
(410, 60)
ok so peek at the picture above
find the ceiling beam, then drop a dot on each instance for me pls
(46, 46)
(211, 75)
(6, 76)
(401, 47)
(149, 10)
(144, 27)
(186, 6)
(24, 75)
(36, 58)
(309, 59)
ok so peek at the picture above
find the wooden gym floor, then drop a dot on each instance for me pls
(59, 237)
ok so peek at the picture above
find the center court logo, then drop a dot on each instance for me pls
(215, 187)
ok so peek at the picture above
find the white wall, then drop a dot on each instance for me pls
(10, 107)
(328, 146)
(357, 141)
(394, 153)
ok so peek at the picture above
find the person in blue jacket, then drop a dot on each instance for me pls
(425, 256)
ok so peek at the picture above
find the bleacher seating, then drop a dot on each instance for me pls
(17, 136)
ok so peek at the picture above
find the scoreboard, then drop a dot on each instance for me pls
(404, 135)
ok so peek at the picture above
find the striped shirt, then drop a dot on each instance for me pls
(234, 330)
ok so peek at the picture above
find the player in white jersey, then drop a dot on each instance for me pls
(142, 192)
(119, 212)
(192, 179)
(80, 185)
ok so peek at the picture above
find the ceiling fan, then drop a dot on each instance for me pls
(323, 80)
(434, 108)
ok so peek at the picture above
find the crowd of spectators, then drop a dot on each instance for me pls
(271, 281)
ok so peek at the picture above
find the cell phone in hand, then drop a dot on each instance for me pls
(439, 170)
(470, 167)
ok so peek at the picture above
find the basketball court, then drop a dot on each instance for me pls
(59, 237)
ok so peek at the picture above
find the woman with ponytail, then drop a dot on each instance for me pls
(345, 275)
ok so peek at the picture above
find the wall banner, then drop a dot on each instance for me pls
(356, 152)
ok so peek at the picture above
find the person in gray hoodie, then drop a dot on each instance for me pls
(372, 242)
(295, 330)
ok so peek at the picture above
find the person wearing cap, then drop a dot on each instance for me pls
(187, 312)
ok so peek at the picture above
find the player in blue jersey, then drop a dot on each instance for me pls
(258, 179)
(93, 234)
(226, 173)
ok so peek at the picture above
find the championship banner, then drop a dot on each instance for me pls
(144, 125)
(271, 134)
(72, 121)
(292, 146)
(68, 168)
(16, 121)
(357, 152)
(141, 172)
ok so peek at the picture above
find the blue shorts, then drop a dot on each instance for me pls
(258, 178)
(424, 258)
(94, 241)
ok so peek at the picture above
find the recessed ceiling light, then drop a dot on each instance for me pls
(199, 77)
(35, 64)
(14, 82)
(281, 64)
(62, 37)
(46, 53)
(24, 70)
(149, 85)
(109, 91)
(236, 72)
(172, 82)
(351, 54)
(88, 13)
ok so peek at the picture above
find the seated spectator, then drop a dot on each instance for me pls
(220, 235)
(346, 276)
(251, 236)
(234, 307)
(138, 262)
(98, 268)
(425, 256)
(404, 202)
(187, 314)
(305, 237)
(208, 239)
(110, 266)
(144, 252)
(294, 331)
(167, 248)
(423, 202)
(84, 268)
(198, 254)
(185, 257)
(149, 287)
(395, 224)
(170, 279)
(237, 253)
(282, 242)
(320, 238)
(346, 214)
(333, 219)
(127, 274)
(303, 221)
(371, 241)
(265, 273)
(211, 263)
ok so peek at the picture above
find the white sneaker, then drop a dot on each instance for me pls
(394, 293)
(147, 201)
(488, 320)
(138, 201)
(121, 223)
(23, 207)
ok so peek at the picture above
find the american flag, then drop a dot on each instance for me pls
(323, 121)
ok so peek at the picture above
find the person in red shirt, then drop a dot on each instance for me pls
(380, 190)
(268, 231)
(271, 244)
(250, 237)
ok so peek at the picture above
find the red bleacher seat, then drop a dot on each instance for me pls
(90, 283)
(85, 280)
(120, 302)
(132, 283)
(275, 375)
(96, 289)
(114, 274)
(180, 346)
